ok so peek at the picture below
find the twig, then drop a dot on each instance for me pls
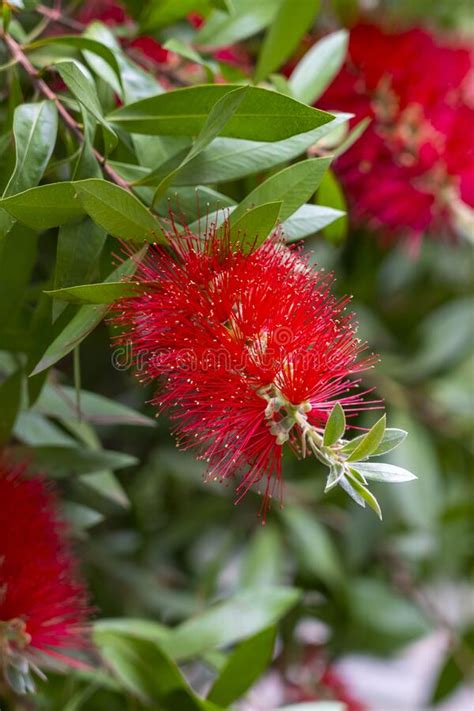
(18, 54)
(55, 15)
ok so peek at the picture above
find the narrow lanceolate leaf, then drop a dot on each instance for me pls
(383, 472)
(243, 667)
(10, 397)
(249, 18)
(335, 426)
(34, 127)
(262, 115)
(251, 230)
(45, 206)
(61, 462)
(219, 115)
(369, 442)
(336, 473)
(319, 66)
(293, 186)
(392, 438)
(118, 211)
(105, 293)
(308, 220)
(75, 76)
(285, 32)
(84, 321)
(365, 494)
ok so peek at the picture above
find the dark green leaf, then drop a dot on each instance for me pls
(61, 462)
(262, 115)
(369, 442)
(17, 258)
(285, 32)
(10, 398)
(118, 211)
(35, 127)
(330, 193)
(319, 66)
(243, 668)
(335, 426)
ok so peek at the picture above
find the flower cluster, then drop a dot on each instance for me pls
(250, 349)
(43, 607)
(412, 171)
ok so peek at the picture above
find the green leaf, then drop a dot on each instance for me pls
(252, 229)
(118, 211)
(249, 18)
(366, 495)
(262, 115)
(84, 321)
(106, 485)
(145, 670)
(319, 66)
(165, 12)
(76, 79)
(45, 206)
(10, 399)
(383, 472)
(335, 426)
(369, 442)
(262, 565)
(243, 668)
(293, 186)
(336, 472)
(229, 159)
(314, 547)
(218, 117)
(61, 462)
(34, 127)
(284, 35)
(239, 617)
(105, 293)
(330, 193)
(309, 219)
(89, 46)
(392, 437)
(18, 252)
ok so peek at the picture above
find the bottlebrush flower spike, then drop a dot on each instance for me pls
(250, 351)
(412, 170)
(43, 608)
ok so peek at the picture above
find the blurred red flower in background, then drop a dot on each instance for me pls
(43, 608)
(412, 170)
(249, 348)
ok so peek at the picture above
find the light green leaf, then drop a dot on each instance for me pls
(78, 82)
(383, 472)
(34, 127)
(118, 211)
(239, 617)
(262, 565)
(366, 495)
(88, 46)
(252, 229)
(316, 706)
(249, 18)
(330, 193)
(288, 27)
(319, 66)
(293, 186)
(369, 442)
(106, 485)
(45, 206)
(243, 668)
(336, 472)
(392, 438)
(309, 219)
(262, 115)
(105, 293)
(335, 426)
(165, 12)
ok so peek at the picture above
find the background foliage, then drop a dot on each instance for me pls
(179, 575)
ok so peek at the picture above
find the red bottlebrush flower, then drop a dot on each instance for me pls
(108, 11)
(43, 608)
(412, 171)
(150, 48)
(250, 350)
